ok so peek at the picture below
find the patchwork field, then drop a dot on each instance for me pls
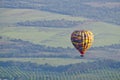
(83, 70)
(105, 34)
(23, 57)
(11, 73)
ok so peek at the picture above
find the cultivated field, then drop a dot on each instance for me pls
(23, 57)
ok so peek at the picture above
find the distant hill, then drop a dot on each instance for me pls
(35, 39)
(56, 20)
(102, 10)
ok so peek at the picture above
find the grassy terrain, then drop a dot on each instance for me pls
(44, 36)
(16, 15)
(105, 34)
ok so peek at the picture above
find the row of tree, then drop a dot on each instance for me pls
(51, 23)
(20, 48)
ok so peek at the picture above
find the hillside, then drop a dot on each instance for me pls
(12, 48)
(22, 23)
(105, 34)
(102, 10)
(35, 39)
(60, 19)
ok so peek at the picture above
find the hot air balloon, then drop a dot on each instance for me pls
(82, 40)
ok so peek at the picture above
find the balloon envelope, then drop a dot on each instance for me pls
(82, 40)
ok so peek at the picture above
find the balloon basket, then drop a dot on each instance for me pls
(82, 55)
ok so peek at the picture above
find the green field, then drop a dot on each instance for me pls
(105, 34)
(20, 60)
(16, 15)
